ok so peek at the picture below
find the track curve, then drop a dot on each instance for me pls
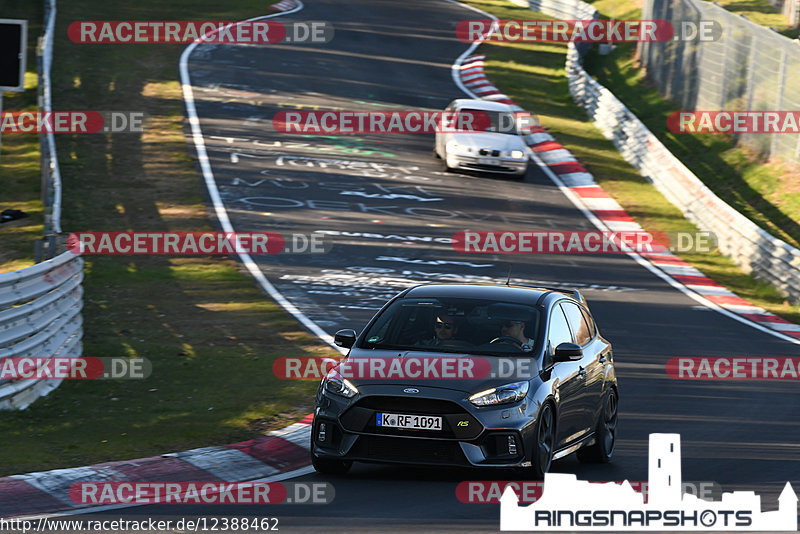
(390, 212)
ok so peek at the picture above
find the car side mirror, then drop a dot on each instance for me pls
(568, 352)
(345, 338)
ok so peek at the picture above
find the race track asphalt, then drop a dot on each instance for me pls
(398, 54)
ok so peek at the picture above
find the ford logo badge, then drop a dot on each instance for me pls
(411, 390)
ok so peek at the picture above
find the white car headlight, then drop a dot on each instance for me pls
(517, 154)
(501, 395)
(335, 383)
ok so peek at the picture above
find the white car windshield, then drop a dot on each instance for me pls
(499, 122)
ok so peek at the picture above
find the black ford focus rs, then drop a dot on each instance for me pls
(470, 375)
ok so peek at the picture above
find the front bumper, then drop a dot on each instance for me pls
(498, 164)
(481, 440)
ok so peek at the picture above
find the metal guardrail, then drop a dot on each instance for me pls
(40, 316)
(750, 247)
(40, 306)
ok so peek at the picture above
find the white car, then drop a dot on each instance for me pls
(498, 147)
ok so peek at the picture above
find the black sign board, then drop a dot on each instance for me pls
(13, 36)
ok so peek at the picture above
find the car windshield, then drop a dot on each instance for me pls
(499, 122)
(474, 326)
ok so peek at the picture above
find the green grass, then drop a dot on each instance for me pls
(532, 74)
(761, 12)
(209, 331)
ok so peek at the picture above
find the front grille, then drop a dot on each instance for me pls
(411, 404)
(487, 167)
(457, 423)
(418, 451)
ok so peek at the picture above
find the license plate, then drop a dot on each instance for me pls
(416, 422)
(486, 161)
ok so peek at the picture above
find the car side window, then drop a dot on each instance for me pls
(588, 318)
(577, 323)
(558, 332)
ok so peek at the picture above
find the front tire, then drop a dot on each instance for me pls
(444, 167)
(605, 435)
(544, 441)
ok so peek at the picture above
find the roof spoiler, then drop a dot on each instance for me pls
(574, 293)
(578, 296)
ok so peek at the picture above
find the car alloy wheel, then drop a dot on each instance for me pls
(605, 435)
(542, 455)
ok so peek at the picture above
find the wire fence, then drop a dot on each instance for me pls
(749, 67)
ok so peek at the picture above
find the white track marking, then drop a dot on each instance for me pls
(576, 201)
(219, 207)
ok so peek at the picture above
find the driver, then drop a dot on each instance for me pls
(516, 330)
(445, 329)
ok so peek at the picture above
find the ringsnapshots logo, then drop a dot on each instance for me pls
(569, 504)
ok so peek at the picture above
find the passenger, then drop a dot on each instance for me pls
(516, 330)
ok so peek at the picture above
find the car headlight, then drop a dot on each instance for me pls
(500, 395)
(335, 383)
(517, 154)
